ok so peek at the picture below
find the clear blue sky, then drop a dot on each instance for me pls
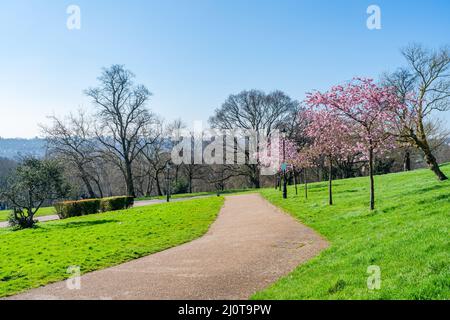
(193, 54)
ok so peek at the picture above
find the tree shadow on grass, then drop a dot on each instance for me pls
(432, 188)
(434, 199)
(80, 224)
(421, 191)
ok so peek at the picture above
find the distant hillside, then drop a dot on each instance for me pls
(12, 148)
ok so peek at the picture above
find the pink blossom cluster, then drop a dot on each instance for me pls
(357, 117)
(331, 135)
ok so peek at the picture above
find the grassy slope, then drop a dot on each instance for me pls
(51, 211)
(407, 236)
(32, 258)
(41, 212)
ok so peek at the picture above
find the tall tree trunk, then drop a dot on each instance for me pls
(429, 157)
(433, 165)
(129, 180)
(149, 187)
(306, 184)
(158, 184)
(256, 177)
(176, 174)
(330, 183)
(407, 161)
(295, 180)
(88, 186)
(99, 187)
(87, 183)
(372, 184)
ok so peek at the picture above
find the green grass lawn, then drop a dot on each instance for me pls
(407, 237)
(35, 257)
(51, 210)
(196, 194)
(47, 211)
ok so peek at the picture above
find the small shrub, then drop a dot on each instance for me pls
(181, 186)
(69, 209)
(116, 203)
(19, 220)
(32, 183)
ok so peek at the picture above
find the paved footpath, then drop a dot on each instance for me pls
(249, 246)
(4, 224)
(141, 203)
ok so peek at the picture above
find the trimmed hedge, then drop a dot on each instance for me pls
(68, 209)
(116, 203)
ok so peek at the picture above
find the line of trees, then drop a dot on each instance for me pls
(359, 128)
(128, 139)
(123, 143)
(369, 121)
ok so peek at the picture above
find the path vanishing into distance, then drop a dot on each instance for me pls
(140, 203)
(250, 245)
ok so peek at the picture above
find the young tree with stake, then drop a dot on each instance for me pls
(303, 162)
(331, 139)
(370, 109)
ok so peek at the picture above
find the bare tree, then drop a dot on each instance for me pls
(256, 111)
(72, 140)
(157, 154)
(192, 172)
(144, 177)
(217, 175)
(428, 78)
(124, 120)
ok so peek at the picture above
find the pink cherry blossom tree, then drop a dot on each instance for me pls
(370, 109)
(331, 138)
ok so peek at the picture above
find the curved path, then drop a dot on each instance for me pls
(249, 246)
